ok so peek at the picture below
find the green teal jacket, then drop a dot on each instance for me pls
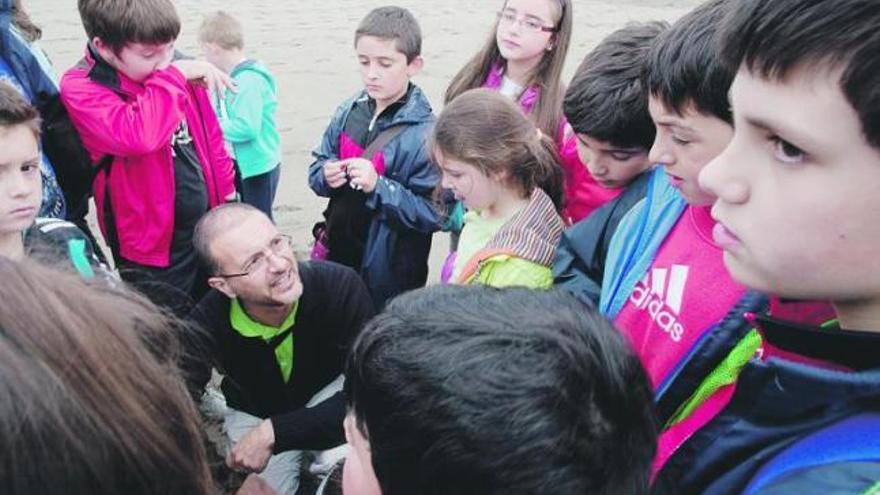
(247, 118)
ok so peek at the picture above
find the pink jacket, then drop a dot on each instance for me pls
(527, 99)
(134, 122)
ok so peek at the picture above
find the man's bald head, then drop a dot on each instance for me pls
(220, 220)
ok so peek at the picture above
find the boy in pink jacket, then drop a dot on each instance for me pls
(147, 121)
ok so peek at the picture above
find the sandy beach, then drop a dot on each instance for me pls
(308, 46)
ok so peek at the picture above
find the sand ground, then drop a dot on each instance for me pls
(308, 46)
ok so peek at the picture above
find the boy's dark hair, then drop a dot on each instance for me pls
(471, 389)
(119, 22)
(774, 39)
(15, 110)
(683, 67)
(393, 23)
(607, 98)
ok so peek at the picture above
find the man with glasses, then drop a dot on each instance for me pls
(278, 330)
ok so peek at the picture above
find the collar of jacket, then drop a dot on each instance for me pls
(856, 350)
(531, 234)
(527, 98)
(412, 108)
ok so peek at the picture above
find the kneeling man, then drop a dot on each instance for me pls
(279, 331)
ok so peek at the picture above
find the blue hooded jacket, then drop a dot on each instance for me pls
(634, 242)
(791, 428)
(20, 67)
(403, 214)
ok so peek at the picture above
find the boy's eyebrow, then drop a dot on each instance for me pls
(612, 149)
(776, 128)
(671, 122)
(381, 58)
(30, 161)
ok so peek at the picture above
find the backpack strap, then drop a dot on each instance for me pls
(853, 439)
(382, 139)
(112, 238)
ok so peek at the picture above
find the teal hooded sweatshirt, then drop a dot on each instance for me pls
(248, 119)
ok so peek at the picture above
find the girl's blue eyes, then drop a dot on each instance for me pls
(680, 141)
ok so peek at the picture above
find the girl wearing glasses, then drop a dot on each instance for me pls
(523, 59)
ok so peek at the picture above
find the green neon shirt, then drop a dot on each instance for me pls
(247, 327)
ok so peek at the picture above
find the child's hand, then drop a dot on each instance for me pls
(334, 174)
(362, 174)
(207, 75)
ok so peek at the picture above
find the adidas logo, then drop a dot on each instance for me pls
(660, 293)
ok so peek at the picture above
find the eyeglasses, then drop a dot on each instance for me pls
(278, 246)
(530, 24)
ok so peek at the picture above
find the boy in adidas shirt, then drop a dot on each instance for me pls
(665, 285)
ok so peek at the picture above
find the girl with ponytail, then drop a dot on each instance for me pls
(506, 172)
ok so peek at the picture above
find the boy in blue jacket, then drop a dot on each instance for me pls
(247, 116)
(374, 166)
(796, 214)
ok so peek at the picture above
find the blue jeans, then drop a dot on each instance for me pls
(259, 190)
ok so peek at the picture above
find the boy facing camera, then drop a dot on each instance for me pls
(374, 166)
(21, 232)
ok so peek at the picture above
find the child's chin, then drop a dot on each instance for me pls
(138, 78)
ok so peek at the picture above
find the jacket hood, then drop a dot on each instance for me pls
(415, 110)
(256, 67)
(531, 234)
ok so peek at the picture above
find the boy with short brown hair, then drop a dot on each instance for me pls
(374, 166)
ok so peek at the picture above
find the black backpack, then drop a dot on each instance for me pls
(73, 165)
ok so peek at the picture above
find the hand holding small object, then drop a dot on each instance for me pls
(362, 174)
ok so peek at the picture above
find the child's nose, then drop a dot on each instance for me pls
(660, 154)
(716, 178)
(444, 182)
(19, 186)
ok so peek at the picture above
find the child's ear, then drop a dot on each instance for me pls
(415, 66)
(210, 48)
(103, 49)
(500, 176)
